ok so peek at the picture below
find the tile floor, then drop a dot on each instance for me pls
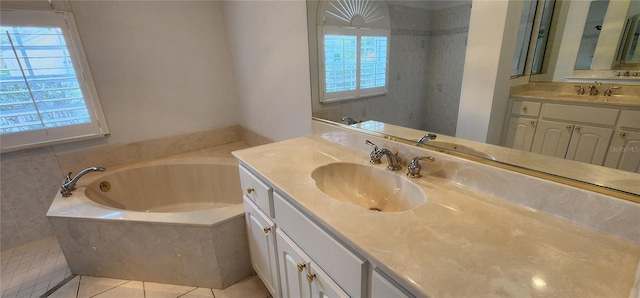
(30, 270)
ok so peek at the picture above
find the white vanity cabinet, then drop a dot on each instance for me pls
(384, 287)
(261, 229)
(624, 151)
(300, 276)
(522, 124)
(262, 246)
(292, 254)
(575, 132)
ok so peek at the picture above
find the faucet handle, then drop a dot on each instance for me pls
(580, 89)
(414, 167)
(374, 155)
(610, 90)
(68, 178)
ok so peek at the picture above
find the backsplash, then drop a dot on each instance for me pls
(570, 88)
(597, 211)
(31, 178)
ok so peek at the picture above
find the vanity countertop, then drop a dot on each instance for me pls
(616, 100)
(460, 242)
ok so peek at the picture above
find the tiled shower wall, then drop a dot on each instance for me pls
(30, 178)
(427, 53)
(446, 67)
(408, 68)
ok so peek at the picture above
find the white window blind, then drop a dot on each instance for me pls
(46, 92)
(353, 62)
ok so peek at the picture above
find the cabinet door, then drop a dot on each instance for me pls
(520, 133)
(322, 286)
(552, 138)
(624, 151)
(262, 246)
(294, 267)
(589, 144)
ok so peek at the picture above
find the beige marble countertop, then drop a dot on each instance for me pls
(460, 242)
(617, 100)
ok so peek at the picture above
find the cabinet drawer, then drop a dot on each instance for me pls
(630, 119)
(256, 190)
(593, 115)
(344, 267)
(526, 108)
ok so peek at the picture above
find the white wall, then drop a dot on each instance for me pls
(268, 41)
(485, 83)
(161, 68)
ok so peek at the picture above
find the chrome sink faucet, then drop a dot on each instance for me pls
(593, 90)
(70, 183)
(429, 136)
(377, 153)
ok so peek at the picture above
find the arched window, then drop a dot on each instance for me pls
(353, 48)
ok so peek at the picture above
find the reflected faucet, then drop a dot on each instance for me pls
(70, 183)
(350, 121)
(429, 136)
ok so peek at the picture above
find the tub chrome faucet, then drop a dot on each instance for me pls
(429, 136)
(593, 90)
(70, 183)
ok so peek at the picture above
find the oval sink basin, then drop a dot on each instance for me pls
(368, 187)
(459, 148)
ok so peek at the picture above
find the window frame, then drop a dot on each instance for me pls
(358, 92)
(63, 134)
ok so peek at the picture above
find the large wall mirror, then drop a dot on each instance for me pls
(425, 60)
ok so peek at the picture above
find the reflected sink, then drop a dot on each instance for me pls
(368, 187)
(459, 148)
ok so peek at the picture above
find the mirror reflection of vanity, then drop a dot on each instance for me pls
(425, 81)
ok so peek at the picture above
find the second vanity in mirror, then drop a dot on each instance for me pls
(431, 103)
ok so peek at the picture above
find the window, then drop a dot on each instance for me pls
(46, 92)
(524, 37)
(355, 62)
(353, 48)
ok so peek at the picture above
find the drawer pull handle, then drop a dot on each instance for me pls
(568, 126)
(577, 128)
(266, 230)
(310, 277)
(533, 123)
(525, 108)
(622, 134)
(250, 190)
(301, 266)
